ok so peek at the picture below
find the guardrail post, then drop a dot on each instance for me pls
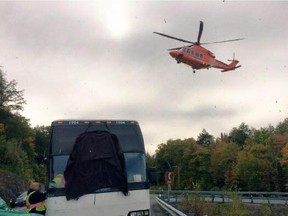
(268, 200)
(213, 196)
(168, 192)
(251, 196)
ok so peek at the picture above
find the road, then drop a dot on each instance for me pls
(156, 210)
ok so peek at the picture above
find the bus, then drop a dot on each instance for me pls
(103, 201)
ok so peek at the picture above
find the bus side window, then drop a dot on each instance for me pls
(58, 181)
(135, 167)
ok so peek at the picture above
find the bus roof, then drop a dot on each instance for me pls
(92, 122)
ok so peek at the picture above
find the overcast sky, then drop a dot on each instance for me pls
(100, 60)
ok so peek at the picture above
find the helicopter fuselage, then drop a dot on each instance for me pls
(198, 57)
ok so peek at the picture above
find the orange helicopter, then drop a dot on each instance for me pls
(197, 56)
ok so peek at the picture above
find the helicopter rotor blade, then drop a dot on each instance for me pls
(175, 38)
(200, 32)
(224, 41)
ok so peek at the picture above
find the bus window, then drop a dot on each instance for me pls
(58, 164)
(135, 167)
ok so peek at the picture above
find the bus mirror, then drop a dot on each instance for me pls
(152, 175)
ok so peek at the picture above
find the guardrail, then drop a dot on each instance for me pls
(222, 196)
(169, 201)
(169, 208)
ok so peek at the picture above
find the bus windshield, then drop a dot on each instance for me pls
(135, 168)
(130, 139)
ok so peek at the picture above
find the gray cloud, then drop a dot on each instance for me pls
(72, 64)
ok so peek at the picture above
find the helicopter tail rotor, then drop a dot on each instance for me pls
(233, 57)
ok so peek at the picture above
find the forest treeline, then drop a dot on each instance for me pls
(245, 159)
(22, 147)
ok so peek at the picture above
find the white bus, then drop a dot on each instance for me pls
(105, 200)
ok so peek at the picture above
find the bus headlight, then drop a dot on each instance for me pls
(139, 213)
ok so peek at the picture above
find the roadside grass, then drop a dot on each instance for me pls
(195, 205)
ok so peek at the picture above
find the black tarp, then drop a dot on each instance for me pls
(96, 162)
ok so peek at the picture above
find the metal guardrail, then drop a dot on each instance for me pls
(247, 196)
(169, 208)
(169, 201)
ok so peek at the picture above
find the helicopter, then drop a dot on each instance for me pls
(197, 56)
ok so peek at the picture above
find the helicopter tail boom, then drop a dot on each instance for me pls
(231, 66)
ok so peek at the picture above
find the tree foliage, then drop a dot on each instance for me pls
(240, 134)
(20, 145)
(11, 99)
(247, 159)
(205, 138)
(254, 169)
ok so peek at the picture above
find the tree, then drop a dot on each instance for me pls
(17, 127)
(196, 168)
(240, 134)
(11, 99)
(14, 159)
(170, 157)
(222, 164)
(150, 160)
(282, 127)
(41, 139)
(205, 138)
(262, 136)
(255, 169)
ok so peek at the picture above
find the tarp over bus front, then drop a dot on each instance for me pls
(96, 162)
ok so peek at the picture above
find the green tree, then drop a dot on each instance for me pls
(11, 99)
(41, 140)
(223, 160)
(17, 127)
(17, 146)
(196, 168)
(206, 139)
(14, 159)
(254, 169)
(262, 136)
(282, 127)
(150, 160)
(239, 135)
(169, 158)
